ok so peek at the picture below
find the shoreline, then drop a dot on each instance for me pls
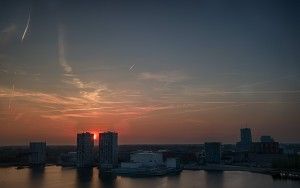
(262, 170)
(275, 173)
(210, 167)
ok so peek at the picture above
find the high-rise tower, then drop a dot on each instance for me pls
(246, 140)
(85, 146)
(108, 149)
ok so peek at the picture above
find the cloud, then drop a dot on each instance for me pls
(87, 106)
(92, 95)
(167, 76)
(61, 53)
(37, 97)
(265, 82)
(9, 29)
(88, 90)
(7, 33)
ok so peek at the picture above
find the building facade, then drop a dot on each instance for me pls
(68, 159)
(266, 138)
(144, 159)
(85, 146)
(246, 140)
(213, 152)
(173, 163)
(265, 148)
(108, 150)
(37, 156)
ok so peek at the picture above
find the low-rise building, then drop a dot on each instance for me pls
(172, 163)
(265, 160)
(266, 138)
(265, 148)
(144, 159)
(68, 159)
(212, 152)
(147, 163)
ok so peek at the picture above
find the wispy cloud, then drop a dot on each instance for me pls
(7, 33)
(249, 92)
(58, 107)
(88, 90)
(266, 82)
(167, 76)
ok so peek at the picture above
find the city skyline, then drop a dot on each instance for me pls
(156, 73)
(108, 136)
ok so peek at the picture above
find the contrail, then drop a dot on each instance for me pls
(26, 28)
(131, 68)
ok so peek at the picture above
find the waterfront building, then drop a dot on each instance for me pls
(148, 163)
(172, 163)
(85, 146)
(212, 152)
(266, 138)
(37, 156)
(108, 149)
(246, 136)
(265, 147)
(144, 159)
(289, 149)
(246, 140)
(68, 159)
(266, 159)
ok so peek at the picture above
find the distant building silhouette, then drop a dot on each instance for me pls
(85, 146)
(266, 139)
(265, 147)
(246, 136)
(212, 152)
(108, 149)
(144, 159)
(246, 140)
(68, 159)
(37, 155)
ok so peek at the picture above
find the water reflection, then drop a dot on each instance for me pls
(36, 175)
(214, 179)
(173, 180)
(55, 177)
(84, 177)
(107, 179)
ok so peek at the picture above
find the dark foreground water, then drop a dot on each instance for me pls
(57, 177)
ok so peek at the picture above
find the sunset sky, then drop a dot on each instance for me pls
(157, 71)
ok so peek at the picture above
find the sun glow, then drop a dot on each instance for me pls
(95, 137)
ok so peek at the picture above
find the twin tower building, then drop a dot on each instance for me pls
(108, 150)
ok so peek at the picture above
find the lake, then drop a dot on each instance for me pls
(58, 177)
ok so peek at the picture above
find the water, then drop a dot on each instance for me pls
(57, 177)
